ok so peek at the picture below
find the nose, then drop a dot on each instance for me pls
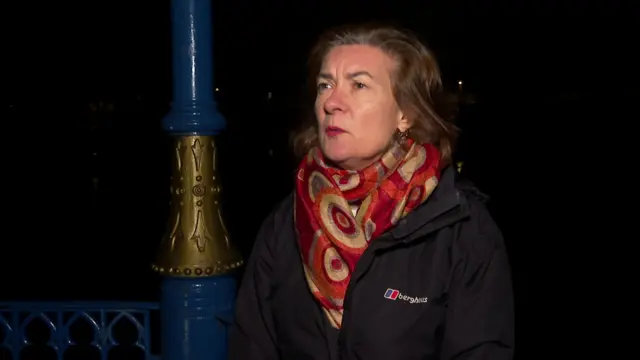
(334, 102)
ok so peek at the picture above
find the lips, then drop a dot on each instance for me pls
(332, 131)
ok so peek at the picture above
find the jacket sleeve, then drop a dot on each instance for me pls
(479, 321)
(252, 335)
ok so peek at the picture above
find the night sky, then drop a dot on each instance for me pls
(497, 47)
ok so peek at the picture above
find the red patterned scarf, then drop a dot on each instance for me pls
(331, 238)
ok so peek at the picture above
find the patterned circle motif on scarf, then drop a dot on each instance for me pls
(331, 237)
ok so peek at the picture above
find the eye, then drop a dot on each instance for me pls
(322, 86)
(359, 85)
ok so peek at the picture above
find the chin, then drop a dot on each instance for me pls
(347, 158)
(336, 154)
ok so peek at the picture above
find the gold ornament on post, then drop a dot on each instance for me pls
(196, 243)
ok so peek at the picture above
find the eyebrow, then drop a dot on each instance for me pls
(352, 75)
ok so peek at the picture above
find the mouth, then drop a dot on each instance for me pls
(333, 131)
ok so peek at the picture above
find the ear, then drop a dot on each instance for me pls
(403, 123)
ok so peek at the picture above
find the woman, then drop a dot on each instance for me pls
(379, 253)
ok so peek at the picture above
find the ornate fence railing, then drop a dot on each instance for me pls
(79, 331)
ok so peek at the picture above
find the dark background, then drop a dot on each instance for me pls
(86, 84)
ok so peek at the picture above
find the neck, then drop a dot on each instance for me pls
(361, 163)
(355, 164)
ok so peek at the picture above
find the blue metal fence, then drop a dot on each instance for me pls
(78, 330)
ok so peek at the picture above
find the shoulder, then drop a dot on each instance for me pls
(282, 213)
(278, 225)
(477, 232)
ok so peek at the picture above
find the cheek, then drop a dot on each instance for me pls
(377, 128)
(378, 120)
(381, 136)
(319, 110)
(375, 135)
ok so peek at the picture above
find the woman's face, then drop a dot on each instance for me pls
(356, 111)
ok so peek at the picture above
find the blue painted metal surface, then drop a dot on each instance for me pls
(78, 330)
(196, 310)
(193, 110)
(195, 315)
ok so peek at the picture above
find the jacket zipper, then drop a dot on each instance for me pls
(360, 269)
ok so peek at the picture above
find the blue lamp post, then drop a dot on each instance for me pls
(195, 257)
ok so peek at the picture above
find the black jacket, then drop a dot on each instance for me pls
(446, 260)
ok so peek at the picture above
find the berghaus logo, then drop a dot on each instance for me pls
(393, 294)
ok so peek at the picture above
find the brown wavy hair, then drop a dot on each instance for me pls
(416, 80)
